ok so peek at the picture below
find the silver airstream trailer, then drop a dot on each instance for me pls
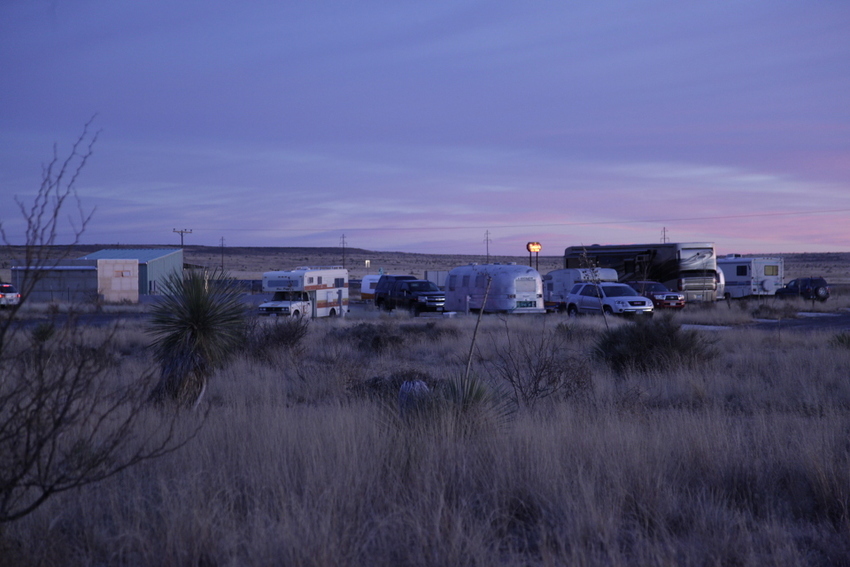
(513, 289)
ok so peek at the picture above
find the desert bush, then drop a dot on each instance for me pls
(652, 345)
(774, 310)
(266, 337)
(536, 364)
(375, 338)
(841, 340)
(472, 404)
(72, 411)
(385, 389)
(197, 324)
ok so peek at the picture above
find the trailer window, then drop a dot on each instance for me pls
(452, 282)
(740, 270)
(319, 280)
(340, 282)
(465, 281)
(525, 285)
(771, 270)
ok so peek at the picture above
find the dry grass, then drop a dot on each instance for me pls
(742, 461)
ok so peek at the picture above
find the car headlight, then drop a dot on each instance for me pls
(620, 303)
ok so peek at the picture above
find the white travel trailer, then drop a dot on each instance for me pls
(751, 276)
(513, 289)
(306, 292)
(558, 283)
(367, 287)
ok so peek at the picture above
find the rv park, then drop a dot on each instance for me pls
(535, 439)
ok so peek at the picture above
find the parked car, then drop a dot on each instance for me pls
(9, 295)
(607, 297)
(382, 288)
(662, 298)
(415, 296)
(807, 288)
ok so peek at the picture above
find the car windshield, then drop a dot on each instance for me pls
(618, 290)
(290, 296)
(654, 286)
(423, 286)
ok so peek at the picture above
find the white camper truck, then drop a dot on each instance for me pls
(513, 289)
(306, 292)
(751, 276)
(558, 283)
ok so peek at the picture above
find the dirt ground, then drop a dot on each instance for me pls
(250, 263)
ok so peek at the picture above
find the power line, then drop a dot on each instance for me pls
(535, 225)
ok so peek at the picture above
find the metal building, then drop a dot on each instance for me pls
(155, 265)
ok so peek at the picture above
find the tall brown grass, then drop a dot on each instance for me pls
(743, 460)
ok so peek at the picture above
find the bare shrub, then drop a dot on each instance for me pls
(841, 340)
(655, 345)
(764, 310)
(537, 365)
(69, 415)
(375, 338)
(266, 337)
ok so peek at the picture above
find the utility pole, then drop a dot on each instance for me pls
(664, 235)
(342, 243)
(222, 253)
(182, 232)
(487, 243)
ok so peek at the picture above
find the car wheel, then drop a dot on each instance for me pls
(606, 309)
(296, 314)
(572, 311)
(332, 313)
(821, 293)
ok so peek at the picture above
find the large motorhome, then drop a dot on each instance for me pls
(512, 289)
(687, 267)
(558, 283)
(751, 276)
(306, 292)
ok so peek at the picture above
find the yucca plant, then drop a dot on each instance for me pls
(197, 324)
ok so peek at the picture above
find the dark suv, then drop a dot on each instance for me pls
(415, 296)
(807, 288)
(382, 288)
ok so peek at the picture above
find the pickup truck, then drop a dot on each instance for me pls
(415, 296)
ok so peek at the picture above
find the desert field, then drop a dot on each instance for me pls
(541, 440)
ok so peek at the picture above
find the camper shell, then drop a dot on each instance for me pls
(306, 292)
(558, 283)
(512, 289)
(747, 277)
(367, 287)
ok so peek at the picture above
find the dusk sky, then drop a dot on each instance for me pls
(421, 126)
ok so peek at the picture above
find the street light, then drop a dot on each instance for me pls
(536, 248)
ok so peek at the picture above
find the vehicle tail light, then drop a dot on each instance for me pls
(681, 284)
